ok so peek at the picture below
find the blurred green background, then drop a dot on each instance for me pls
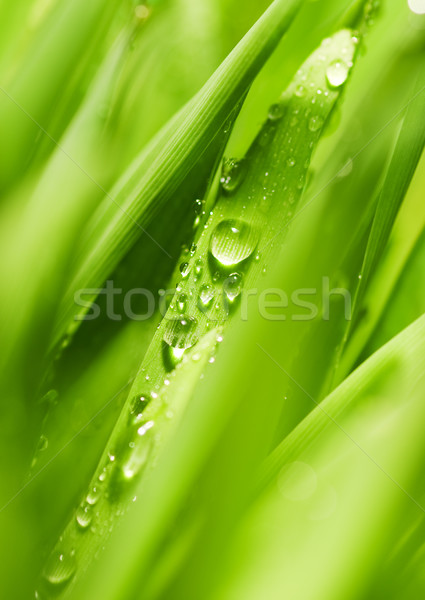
(85, 86)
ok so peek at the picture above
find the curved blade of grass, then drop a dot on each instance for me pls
(54, 55)
(157, 175)
(406, 350)
(263, 192)
(341, 485)
(37, 241)
(407, 153)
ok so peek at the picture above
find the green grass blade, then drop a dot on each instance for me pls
(343, 485)
(264, 190)
(53, 57)
(154, 179)
(405, 159)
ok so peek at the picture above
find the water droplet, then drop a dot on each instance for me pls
(145, 427)
(60, 567)
(84, 515)
(315, 123)
(193, 248)
(142, 12)
(184, 269)
(199, 267)
(346, 169)
(181, 303)
(93, 495)
(43, 442)
(181, 333)
(290, 162)
(139, 452)
(300, 91)
(337, 73)
(276, 111)
(233, 286)
(206, 295)
(234, 172)
(199, 205)
(232, 242)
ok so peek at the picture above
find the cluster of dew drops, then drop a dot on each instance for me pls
(232, 242)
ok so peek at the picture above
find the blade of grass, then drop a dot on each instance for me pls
(53, 56)
(266, 192)
(156, 176)
(405, 159)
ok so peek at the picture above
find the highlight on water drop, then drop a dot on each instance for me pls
(232, 286)
(84, 515)
(60, 567)
(337, 73)
(315, 123)
(417, 6)
(234, 172)
(232, 242)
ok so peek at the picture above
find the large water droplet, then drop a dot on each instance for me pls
(60, 567)
(232, 286)
(140, 450)
(232, 242)
(181, 333)
(276, 111)
(185, 269)
(206, 295)
(181, 303)
(337, 73)
(84, 515)
(300, 91)
(315, 123)
(199, 267)
(93, 495)
(234, 172)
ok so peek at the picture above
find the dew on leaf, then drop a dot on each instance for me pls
(181, 333)
(232, 286)
(234, 172)
(337, 73)
(84, 515)
(206, 295)
(60, 567)
(276, 111)
(185, 269)
(315, 123)
(232, 242)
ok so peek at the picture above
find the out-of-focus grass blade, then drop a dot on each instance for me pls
(37, 242)
(407, 153)
(156, 176)
(53, 57)
(405, 351)
(394, 296)
(346, 478)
